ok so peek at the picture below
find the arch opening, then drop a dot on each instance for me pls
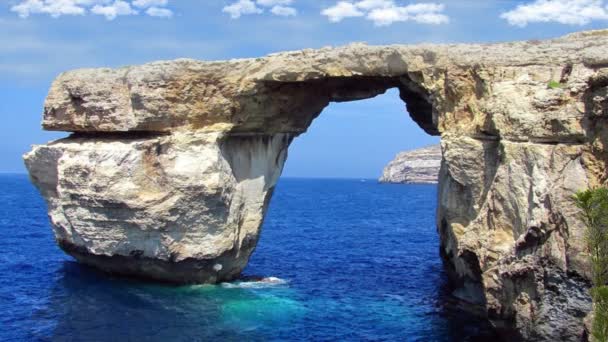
(357, 134)
(378, 239)
(301, 102)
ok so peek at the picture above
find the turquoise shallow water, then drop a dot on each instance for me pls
(356, 261)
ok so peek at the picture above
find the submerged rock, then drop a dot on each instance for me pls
(171, 165)
(420, 166)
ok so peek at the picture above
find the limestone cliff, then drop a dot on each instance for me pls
(171, 165)
(420, 166)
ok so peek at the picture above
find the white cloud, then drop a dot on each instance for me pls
(155, 8)
(150, 3)
(342, 10)
(425, 13)
(159, 12)
(374, 4)
(113, 10)
(108, 8)
(243, 7)
(272, 3)
(570, 12)
(386, 12)
(52, 8)
(284, 11)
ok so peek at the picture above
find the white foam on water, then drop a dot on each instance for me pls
(257, 284)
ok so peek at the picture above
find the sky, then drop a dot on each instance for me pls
(41, 38)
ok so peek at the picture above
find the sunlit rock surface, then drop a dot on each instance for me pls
(419, 166)
(172, 164)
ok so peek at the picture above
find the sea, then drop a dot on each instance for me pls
(348, 260)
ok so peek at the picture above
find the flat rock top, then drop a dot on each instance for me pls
(588, 47)
(359, 59)
(432, 152)
(190, 94)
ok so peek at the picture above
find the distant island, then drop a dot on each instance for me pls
(419, 166)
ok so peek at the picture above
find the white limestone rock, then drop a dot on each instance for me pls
(168, 207)
(419, 166)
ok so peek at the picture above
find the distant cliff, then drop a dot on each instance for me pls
(420, 166)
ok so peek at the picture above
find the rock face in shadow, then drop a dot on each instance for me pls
(419, 166)
(171, 165)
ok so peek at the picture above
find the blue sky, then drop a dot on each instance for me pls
(41, 38)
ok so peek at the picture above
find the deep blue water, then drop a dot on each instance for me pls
(360, 261)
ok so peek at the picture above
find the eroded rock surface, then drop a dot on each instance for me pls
(172, 164)
(419, 166)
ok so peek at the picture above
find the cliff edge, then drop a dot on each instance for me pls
(419, 166)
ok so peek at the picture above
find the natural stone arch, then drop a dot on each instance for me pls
(172, 164)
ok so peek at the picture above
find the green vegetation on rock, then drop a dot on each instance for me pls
(594, 206)
(600, 321)
(555, 85)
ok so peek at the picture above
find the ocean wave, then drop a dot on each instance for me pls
(255, 284)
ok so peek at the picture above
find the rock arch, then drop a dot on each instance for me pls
(171, 165)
